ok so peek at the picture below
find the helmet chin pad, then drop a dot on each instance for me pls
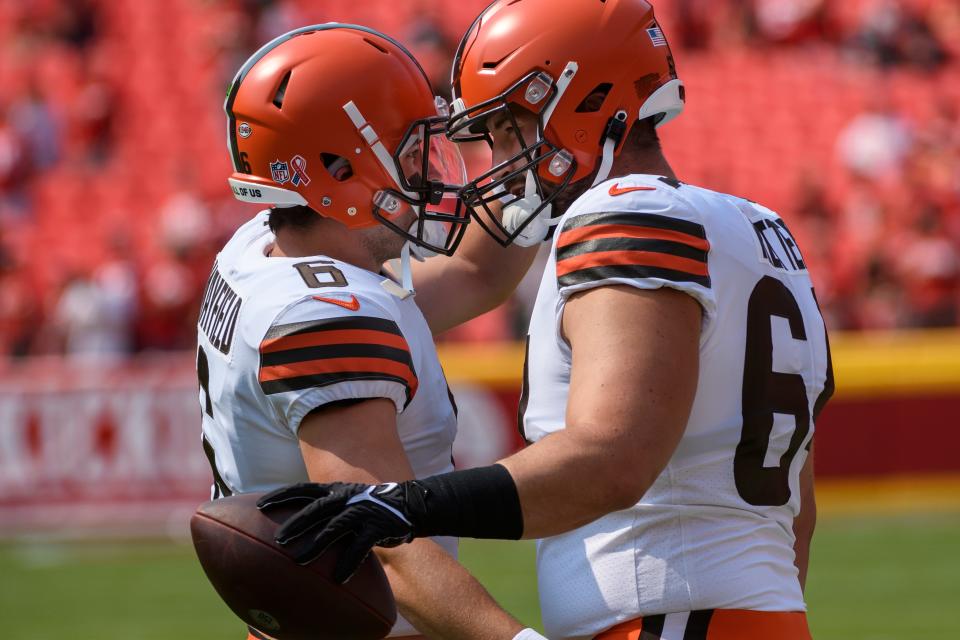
(667, 100)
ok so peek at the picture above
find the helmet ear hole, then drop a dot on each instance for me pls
(281, 91)
(337, 166)
(594, 100)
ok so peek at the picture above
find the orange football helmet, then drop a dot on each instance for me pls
(589, 69)
(342, 119)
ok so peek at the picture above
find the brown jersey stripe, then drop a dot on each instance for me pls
(698, 624)
(651, 627)
(629, 272)
(347, 350)
(322, 380)
(632, 244)
(332, 337)
(333, 324)
(636, 218)
(332, 366)
(601, 231)
(631, 258)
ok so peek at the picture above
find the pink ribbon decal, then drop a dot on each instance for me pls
(299, 164)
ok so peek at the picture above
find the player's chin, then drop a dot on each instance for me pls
(563, 198)
(383, 242)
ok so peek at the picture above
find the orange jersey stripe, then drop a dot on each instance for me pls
(631, 258)
(340, 336)
(340, 365)
(599, 231)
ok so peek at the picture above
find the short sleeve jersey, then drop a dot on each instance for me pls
(715, 529)
(279, 337)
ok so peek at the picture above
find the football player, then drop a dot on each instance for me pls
(314, 364)
(676, 363)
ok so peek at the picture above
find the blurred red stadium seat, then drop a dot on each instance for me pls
(758, 117)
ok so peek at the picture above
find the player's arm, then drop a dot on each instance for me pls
(633, 380)
(634, 344)
(635, 368)
(358, 442)
(477, 278)
(806, 520)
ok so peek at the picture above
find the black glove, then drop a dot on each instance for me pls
(475, 503)
(375, 515)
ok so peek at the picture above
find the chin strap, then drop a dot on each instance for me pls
(606, 161)
(616, 129)
(405, 289)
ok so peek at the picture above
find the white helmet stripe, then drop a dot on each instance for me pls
(373, 140)
(566, 77)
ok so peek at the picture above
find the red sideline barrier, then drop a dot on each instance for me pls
(84, 443)
(889, 435)
(116, 446)
(95, 446)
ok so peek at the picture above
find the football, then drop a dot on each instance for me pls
(265, 588)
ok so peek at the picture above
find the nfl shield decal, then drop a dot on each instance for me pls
(279, 171)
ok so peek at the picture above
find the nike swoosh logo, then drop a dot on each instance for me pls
(617, 190)
(387, 487)
(352, 304)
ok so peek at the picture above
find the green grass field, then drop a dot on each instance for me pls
(871, 579)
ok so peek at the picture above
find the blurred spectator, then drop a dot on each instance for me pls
(75, 22)
(271, 18)
(170, 297)
(184, 222)
(116, 279)
(245, 26)
(434, 50)
(892, 34)
(790, 21)
(84, 139)
(19, 312)
(929, 267)
(34, 120)
(15, 169)
(88, 322)
(93, 119)
(693, 24)
(875, 143)
(880, 305)
(813, 206)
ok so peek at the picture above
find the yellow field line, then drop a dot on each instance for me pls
(901, 363)
(934, 493)
(867, 365)
(497, 365)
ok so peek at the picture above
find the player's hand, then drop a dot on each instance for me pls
(374, 515)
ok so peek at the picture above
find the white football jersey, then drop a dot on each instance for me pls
(279, 337)
(715, 529)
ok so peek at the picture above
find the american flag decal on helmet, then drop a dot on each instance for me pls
(656, 36)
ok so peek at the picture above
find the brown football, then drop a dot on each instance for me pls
(266, 589)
